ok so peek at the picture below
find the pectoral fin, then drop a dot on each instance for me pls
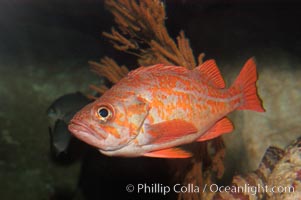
(221, 127)
(170, 130)
(169, 153)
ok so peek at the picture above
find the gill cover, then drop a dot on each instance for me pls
(136, 110)
(129, 116)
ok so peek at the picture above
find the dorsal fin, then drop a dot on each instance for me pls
(158, 68)
(210, 73)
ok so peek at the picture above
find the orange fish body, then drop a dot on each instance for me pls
(155, 109)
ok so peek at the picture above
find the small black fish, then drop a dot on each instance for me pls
(60, 113)
(60, 137)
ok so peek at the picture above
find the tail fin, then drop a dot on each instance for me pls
(246, 83)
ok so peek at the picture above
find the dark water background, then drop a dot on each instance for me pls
(44, 49)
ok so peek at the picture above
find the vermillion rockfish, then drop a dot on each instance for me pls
(157, 108)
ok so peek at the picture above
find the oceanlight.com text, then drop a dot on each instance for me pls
(249, 189)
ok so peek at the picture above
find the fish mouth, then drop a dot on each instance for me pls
(79, 128)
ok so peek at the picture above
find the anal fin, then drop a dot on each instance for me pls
(221, 127)
(169, 153)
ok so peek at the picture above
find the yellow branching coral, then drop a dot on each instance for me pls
(142, 32)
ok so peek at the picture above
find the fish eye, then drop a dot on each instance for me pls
(104, 113)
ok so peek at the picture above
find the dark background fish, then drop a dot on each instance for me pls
(60, 113)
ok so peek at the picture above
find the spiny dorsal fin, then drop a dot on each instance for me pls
(210, 72)
(158, 68)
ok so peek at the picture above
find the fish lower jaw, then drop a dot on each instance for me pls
(85, 136)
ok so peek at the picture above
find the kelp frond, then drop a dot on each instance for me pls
(142, 32)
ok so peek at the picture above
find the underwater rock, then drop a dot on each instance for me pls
(277, 177)
(250, 186)
(286, 176)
